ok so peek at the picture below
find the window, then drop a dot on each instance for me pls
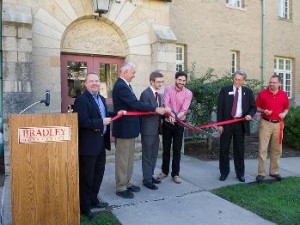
(283, 67)
(234, 61)
(179, 58)
(284, 9)
(235, 3)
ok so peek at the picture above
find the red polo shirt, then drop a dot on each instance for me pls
(276, 102)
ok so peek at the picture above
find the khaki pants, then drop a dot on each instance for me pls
(124, 163)
(269, 132)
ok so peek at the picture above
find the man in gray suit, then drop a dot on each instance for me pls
(150, 130)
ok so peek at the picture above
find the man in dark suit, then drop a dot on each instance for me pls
(93, 140)
(150, 130)
(235, 101)
(126, 129)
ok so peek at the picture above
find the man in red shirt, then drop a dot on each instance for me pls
(273, 103)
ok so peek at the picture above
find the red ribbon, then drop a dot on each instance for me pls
(194, 129)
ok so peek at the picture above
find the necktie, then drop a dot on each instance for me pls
(235, 101)
(156, 98)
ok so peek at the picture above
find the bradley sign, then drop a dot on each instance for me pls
(28, 135)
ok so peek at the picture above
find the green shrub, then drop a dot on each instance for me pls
(292, 128)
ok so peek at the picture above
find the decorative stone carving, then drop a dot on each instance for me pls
(94, 37)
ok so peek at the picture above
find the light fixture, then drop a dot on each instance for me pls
(101, 6)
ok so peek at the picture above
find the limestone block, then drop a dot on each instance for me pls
(9, 43)
(24, 57)
(124, 14)
(10, 56)
(9, 71)
(66, 6)
(164, 33)
(140, 40)
(49, 20)
(136, 18)
(115, 10)
(9, 31)
(24, 32)
(137, 30)
(24, 45)
(15, 102)
(24, 71)
(55, 61)
(45, 30)
(140, 50)
(39, 51)
(46, 42)
(16, 13)
(10, 86)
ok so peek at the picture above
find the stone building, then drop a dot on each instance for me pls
(50, 45)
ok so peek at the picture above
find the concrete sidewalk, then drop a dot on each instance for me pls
(190, 202)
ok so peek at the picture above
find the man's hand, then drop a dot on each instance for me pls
(248, 117)
(122, 112)
(220, 129)
(267, 112)
(160, 110)
(282, 115)
(106, 121)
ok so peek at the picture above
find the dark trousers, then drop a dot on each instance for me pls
(236, 132)
(171, 133)
(91, 171)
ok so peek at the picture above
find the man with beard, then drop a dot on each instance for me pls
(178, 98)
(273, 104)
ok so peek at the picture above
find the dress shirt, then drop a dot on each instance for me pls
(178, 101)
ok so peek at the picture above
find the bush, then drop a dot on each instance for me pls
(205, 93)
(292, 128)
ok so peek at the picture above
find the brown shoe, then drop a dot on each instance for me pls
(177, 179)
(161, 176)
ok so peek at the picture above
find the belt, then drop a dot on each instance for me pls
(271, 121)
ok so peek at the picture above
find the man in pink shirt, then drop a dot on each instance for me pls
(178, 98)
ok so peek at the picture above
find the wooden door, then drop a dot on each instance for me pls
(74, 69)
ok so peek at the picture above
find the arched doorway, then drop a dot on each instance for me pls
(90, 45)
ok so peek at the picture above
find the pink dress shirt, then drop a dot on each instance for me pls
(178, 101)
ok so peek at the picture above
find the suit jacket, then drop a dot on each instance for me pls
(225, 102)
(150, 124)
(91, 138)
(124, 99)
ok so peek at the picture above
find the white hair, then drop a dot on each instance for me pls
(126, 66)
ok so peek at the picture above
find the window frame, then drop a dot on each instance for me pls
(180, 62)
(286, 74)
(240, 4)
(284, 9)
(234, 61)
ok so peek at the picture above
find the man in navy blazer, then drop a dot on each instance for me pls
(126, 129)
(235, 101)
(94, 138)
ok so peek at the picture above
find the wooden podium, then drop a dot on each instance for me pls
(44, 169)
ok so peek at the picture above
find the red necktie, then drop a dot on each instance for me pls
(235, 101)
(156, 97)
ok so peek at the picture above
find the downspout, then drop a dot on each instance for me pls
(263, 43)
(1, 89)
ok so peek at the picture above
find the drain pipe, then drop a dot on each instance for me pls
(1, 86)
(263, 43)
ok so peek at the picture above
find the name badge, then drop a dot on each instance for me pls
(231, 93)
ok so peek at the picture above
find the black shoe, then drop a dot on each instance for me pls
(89, 214)
(223, 177)
(241, 178)
(100, 205)
(150, 186)
(260, 178)
(276, 176)
(125, 194)
(134, 188)
(155, 181)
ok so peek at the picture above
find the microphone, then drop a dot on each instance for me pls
(47, 100)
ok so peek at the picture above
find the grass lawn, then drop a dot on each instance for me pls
(103, 218)
(275, 201)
